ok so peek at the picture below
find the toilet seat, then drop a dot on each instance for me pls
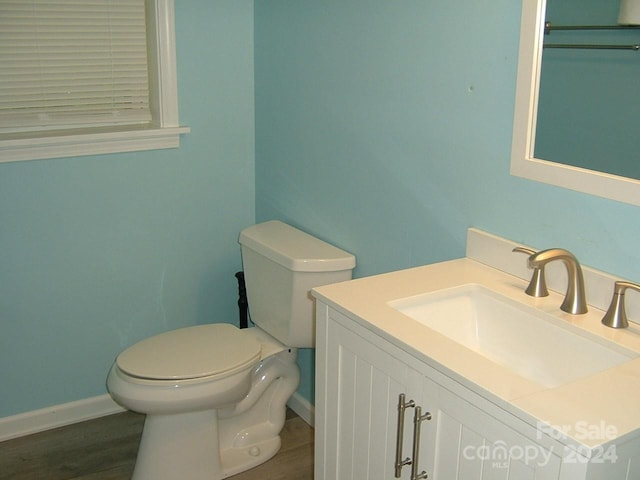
(216, 350)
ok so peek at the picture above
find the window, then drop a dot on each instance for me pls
(85, 77)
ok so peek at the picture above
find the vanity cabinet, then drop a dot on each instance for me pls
(491, 407)
(359, 379)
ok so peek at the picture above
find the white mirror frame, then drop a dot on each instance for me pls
(523, 162)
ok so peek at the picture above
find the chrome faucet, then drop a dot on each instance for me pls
(575, 298)
(616, 316)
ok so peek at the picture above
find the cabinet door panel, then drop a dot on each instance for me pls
(473, 445)
(366, 383)
(469, 465)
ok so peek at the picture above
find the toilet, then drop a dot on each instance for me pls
(214, 395)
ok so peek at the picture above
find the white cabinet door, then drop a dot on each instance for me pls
(470, 444)
(357, 392)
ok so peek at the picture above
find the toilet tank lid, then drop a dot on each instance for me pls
(295, 249)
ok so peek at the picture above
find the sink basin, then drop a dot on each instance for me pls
(529, 342)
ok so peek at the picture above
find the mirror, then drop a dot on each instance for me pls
(565, 172)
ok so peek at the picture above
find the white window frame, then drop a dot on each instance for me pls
(164, 132)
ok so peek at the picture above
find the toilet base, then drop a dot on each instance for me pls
(183, 445)
(186, 446)
(236, 460)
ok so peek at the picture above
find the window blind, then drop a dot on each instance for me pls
(72, 63)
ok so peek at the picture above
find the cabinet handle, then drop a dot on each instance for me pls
(418, 418)
(402, 406)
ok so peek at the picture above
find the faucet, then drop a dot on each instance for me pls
(537, 286)
(616, 316)
(575, 299)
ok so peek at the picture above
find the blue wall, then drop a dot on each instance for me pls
(385, 127)
(99, 252)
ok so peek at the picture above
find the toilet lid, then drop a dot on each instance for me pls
(191, 352)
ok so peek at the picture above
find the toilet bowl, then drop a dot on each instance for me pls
(192, 409)
(193, 368)
(214, 395)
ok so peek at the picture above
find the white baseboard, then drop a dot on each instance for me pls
(302, 407)
(57, 416)
(95, 407)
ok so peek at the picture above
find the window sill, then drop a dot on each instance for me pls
(74, 143)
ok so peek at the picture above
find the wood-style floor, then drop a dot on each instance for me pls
(105, 449)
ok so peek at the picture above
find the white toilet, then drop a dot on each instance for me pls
(214, 395)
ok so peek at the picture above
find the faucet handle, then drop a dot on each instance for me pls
(537, 286)
(616, 316)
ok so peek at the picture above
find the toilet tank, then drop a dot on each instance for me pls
(281, 265)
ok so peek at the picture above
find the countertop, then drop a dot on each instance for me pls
(600, 409)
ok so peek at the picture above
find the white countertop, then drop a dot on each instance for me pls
(607, 400)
